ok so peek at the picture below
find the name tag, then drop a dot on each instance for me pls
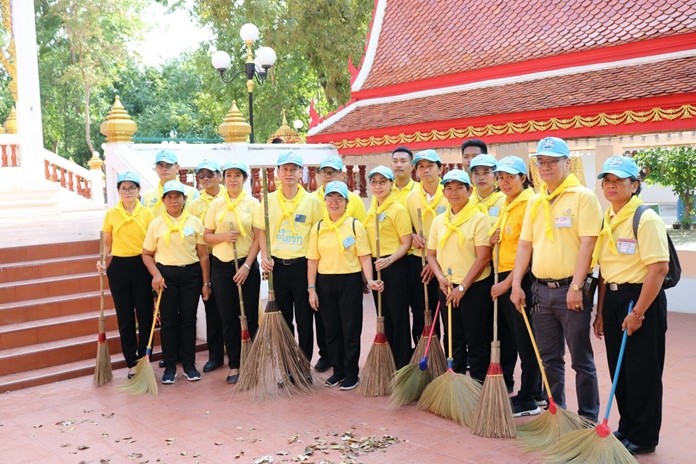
(493, 211)
(382, 217)
(626, 246)
(441, 209)
(563, 222)
(188, 231)
(348, 242)
(300, 218)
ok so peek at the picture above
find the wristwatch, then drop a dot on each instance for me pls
(461, 288)
(575, 287)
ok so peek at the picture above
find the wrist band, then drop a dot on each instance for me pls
(639, 316)
(246, 266)
(309, 287)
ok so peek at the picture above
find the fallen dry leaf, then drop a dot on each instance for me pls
(109, 415)
(135, 455)
(218, 443)
(82, 447)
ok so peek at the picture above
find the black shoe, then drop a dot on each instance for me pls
(522, 407)
(192, 374)
(637, 449)
(619, 436)
(349, 384)
(322, 365)
(211, 365)
(161, 363)
(169, 375)
(333, 381)
(233, 378)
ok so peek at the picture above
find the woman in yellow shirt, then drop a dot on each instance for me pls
(337, 257)
(124, 231)
(511, 174)
(177, 258)
(395, 241)
(229, 220)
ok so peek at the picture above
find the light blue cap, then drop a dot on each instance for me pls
(210, 165)
(621, 166)
(483, 160)
(332, 162)
(456, 175)
(166, 156)
(290, 158)
(173, 186)
(512, 165)
(236, 165)
(383, 170)
(128, 176)
(552, 146)
(336, 186)
(428, 155)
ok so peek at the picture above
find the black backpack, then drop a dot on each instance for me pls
(674, 272)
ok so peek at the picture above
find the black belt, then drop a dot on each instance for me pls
(556, 283)
(622, 287)
(290, 262)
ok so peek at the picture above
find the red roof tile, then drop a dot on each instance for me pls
(427, 38)
(596, 87)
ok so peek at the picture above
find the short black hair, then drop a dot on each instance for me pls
(475, 143)
(404, 150)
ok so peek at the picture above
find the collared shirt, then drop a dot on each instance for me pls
(153, 198)
(402, 193)
(127, 233)
(220, 219)
(335, 257)
(179, 252)
(414, 201)
(394, 223)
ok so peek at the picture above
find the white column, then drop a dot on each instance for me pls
(29, 128)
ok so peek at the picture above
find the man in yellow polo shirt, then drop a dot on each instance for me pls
(402, 169)
(560, 229)
(208, 175)
(332, 169)
(470, 149)
(292, 213)
(167, 168)
(427, 196)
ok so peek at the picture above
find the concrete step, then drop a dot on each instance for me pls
(50, 307)
(47, 251)
(50, 287)
(51, 267)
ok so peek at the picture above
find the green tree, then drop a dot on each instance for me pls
(672, 167)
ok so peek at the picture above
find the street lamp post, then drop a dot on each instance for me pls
(253, 68)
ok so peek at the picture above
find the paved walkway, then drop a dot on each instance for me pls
(206, 422)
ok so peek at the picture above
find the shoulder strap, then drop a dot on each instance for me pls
(636, 218)
(354, 227)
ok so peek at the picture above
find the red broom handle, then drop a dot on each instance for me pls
(432, 329)
(538, 356)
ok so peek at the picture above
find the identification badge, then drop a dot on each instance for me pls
(493, 211)
(348, 242)
(382, 217)
(563, 222)
(188, 231)
(441, 209)
(300, 218)
(626, 246)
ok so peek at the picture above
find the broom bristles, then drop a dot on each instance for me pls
(379, 366)
(545, 430)
(583, 446)
(494, 413)
(143, 381)
(452, 396)
(275, 365)
(408, 384)
(102, 369)
(419, 352)
(437, 363)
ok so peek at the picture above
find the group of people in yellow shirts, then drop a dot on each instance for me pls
(326, 250)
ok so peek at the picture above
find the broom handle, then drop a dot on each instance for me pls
(239, 286)
(538, 356)
(425, 285)
(154, 318)
(379, 273)
(266, 223)
(618, 368)
(102, 259)
(432, 329)
(496, 258)
(450, 358)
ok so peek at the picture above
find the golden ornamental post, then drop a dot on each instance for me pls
(118, 126)
(234, 128)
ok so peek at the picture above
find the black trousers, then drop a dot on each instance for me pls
(340, 305)
(178, 310)
(417, 298)
(395, 311)
(639, 389)
(227, 300)
(131, 288)
(290, 285)
(213, 327)
(472, 328)
(530, 387)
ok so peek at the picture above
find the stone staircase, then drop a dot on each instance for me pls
(49, 312)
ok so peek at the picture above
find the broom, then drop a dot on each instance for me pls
(144, 379)
(409, 382)
(553, 423)
(494, 414)
(246, 339)
(597, 444)
(451, 395)
(102, 370)
(275, 365)
(379, 366)
(437, 363)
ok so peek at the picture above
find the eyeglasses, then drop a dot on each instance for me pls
(334, 199)
(329, 172)
(164, 165)
(375, 183)
(128, 189)
(204, 175)
(549, 163)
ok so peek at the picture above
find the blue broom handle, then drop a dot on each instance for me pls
(618, 367)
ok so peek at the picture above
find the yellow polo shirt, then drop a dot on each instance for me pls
(631, 264)
(492, 205)
(338, 253)
(180, 251)
(510, 236)
(452, 255)
(127, 229)
(199, 206)
(394, 224)
(402, 193)
(153, 198)
(416, 199)
(575, 213)
(221, 219)
(290, 235)
(354, 208)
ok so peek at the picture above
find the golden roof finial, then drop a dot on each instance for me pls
(118, 125)
(286, 133)
(234, 128)
(11, 122)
